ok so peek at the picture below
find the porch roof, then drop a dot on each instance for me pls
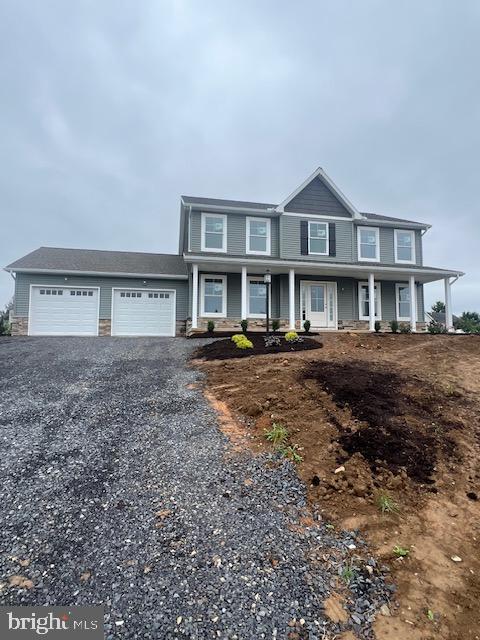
(222, 263)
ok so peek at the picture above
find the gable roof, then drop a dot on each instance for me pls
(95, 262)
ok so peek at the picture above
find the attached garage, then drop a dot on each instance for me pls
(63, 311)
(143, 312)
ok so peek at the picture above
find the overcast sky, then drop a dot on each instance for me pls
(110, 110)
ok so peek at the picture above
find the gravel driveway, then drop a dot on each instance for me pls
(117, 490)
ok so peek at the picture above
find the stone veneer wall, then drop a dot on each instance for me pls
(19, 326)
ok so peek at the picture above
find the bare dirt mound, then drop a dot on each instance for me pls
(396, 411)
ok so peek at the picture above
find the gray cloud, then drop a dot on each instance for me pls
(109, 111)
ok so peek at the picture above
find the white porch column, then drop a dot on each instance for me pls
(243, 312)
(195, 296)
(291, 299)
(371, 301)
(413, 304)
(448, 305)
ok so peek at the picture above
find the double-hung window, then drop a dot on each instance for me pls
(368, 244)
(214, 232)
(404, 246)
(402, 297)
(258, 236)
(364, 301)
(257, 298)
(318, 238)
(213, 296)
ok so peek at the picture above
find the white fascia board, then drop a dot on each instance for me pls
(114, 274)
(320, 173)
(216, 207)
(373, 222)
(442, 273)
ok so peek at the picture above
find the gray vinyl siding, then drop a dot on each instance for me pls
(236, 234)
(387, 246)
(290, 240)
(389, 304)
(317, 198)
(24, 280)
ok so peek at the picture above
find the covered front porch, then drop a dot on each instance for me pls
(330, 297)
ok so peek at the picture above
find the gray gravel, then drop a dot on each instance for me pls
(118, 488)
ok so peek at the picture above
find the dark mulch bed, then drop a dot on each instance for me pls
(224, 349)
(249, 334)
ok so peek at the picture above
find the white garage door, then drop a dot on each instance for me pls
(63, 311)
(143, 312)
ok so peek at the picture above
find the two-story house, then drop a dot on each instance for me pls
(326, 260)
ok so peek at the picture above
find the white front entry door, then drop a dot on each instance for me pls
(320, 300)
(143, 312)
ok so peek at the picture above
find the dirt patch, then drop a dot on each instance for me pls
(403, 428)
(226, 349)
(401, 415)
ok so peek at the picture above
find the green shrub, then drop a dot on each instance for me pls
(291, 336)
(238, 336)
(405, 327)
(307, 325)
(277, 434)
(378, 326)
(275, 325)
(242, 342)
(436, 327)
(394, 326)
(244, 325)
(210, 326)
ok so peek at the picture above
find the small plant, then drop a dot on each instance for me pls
(291, 452)
(291, 336)
(386, 504)
(210, 326)
(400, 552)
(275, 325)
(272, 341)
(378, 326)
(405, 327)
(241, 341)
(430, 615)
(244, 325)
(307, 325)
(348, 573)
(394, 326)
(277, 434)
(436, 328)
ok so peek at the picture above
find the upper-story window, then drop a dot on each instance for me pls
(404, 246)
(368, 244)
(258, 236)
(318, 238)
(214, 232)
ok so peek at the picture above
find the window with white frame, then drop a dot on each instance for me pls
(257, 298)
(404, 246)
(368, 244)
(403, 301)
(213, 296)
(364, 301)
(258, 236)
(318, 238)
(214, 232)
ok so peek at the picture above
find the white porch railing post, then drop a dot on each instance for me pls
(448, 305)
(195, 296)
(371, 301)
(413, 304)
(291, 299)
(243, 312)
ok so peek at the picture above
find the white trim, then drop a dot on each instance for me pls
(232, 208)
(194, 296)
(395, 243)
(216, 276)
(107, 274)
(257, 279)
(377, 247)
(291, 299)
(244, 294)
(189, 245)
(306, 283)
(330, 265)
(153, 335)
(448, 304)
(320, 173)
(268, 250)
(378, 286)
(60, 286)
(400, 318)
(224, 238)
(413, 303)
(314, 216)
(327, 238)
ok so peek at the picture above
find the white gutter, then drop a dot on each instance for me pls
(114, 274)
(217, 207)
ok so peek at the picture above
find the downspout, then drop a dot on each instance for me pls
(190, 228)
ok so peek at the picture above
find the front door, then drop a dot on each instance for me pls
(320, 304)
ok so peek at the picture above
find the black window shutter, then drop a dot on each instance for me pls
(332, 242)
(304, 237)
